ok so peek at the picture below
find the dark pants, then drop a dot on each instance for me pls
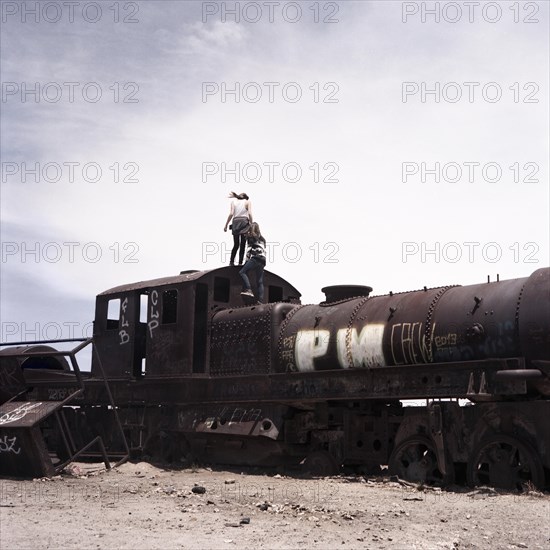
(257, 265)
(239, 243)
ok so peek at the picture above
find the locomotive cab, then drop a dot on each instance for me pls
(160, 327)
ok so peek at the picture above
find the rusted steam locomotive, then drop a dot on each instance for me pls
(182, 370)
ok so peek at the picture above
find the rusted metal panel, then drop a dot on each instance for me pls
(12, 381)
(22, 448)
(24, 414)
(244, 340)
(192, 275)
(477, 322)
(534, 321)
(116, 336)
(470, 380)
(189, 276)
(361, 332)
(241, 342)
(23, 453)
(234, 420)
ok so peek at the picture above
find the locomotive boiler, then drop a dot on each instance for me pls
(181, 370)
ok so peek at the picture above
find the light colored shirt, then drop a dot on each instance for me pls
(239, 208)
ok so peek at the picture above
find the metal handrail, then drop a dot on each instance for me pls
(70, 353)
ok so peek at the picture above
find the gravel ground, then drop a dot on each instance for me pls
(142, 506)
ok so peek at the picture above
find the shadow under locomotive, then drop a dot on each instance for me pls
(182, 370)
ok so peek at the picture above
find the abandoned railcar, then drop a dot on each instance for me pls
(182, 370)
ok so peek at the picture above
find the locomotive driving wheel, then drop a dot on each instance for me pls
(506, 462)
(415, 460)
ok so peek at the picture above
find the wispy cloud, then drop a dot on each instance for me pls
(165, 136)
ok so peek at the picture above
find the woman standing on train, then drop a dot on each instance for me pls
(255, 261)
(241, 213)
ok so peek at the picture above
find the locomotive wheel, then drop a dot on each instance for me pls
(321, 464)
(506, 462)
(414, 460)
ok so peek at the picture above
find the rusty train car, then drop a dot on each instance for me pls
(181, 370)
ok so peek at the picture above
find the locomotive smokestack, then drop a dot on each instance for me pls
(345, 292)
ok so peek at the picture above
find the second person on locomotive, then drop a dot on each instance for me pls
(255, 261)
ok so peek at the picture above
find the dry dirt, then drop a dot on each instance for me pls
(141, 506)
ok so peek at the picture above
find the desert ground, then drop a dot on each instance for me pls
(138, 505)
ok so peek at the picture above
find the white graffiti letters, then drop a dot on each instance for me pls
(7, 445)
(353, 348)
(154, 322)
(124, 336)
(408, 344)
(309, 345)
(365, 348)
(19, 412)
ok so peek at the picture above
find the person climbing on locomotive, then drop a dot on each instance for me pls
(241, 213)
(255, 261)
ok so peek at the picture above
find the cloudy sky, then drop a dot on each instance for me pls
(381, 143)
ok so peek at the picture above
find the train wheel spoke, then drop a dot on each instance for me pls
(505, 462)
(414, 459)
